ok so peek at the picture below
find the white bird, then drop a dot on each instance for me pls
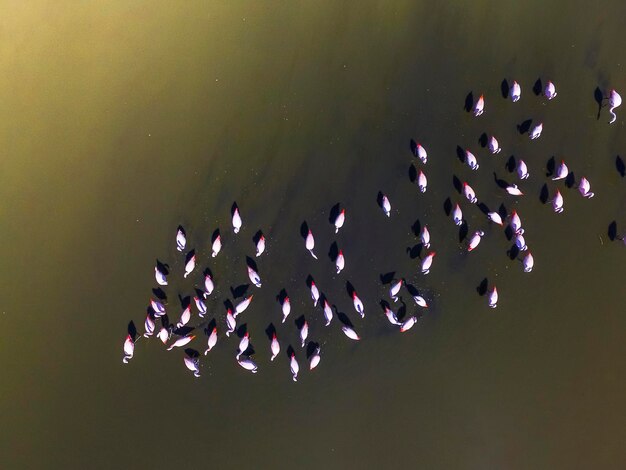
(340, 262)
(208, 285)
(557, 202)
(408, 324)
(516, 223)
(243, 305)
(522, 170)
(304, 332)
(193, 364)
(254, 277)
(513, 190)
(274, 346)
(243, 344)
(328, 313)
(427, 262)
(550, 90)
(158, 307)
(493, 298)
(470, 158)
(260, 246)
(475, 240)
(421, 153)
(217, 246)
(391, 316)
(231, 323)
(236, 220)
(614, 101)
(295, 368)
(181, 240)
(425, 237)
(536, 131)
(358, 305)
(479, 107)
(469, 193)
(340, 220)
(395, 289)
(148, 326)
(286, 308)
(515, 91)
(495, 218)
(386, 206)
(529, 262)
(457, 215)
(200, 305)
(420, 301)
(315, 359)
(248, 364)
(584, 187)
(160, 277)
(129, 349)
(561, 172)
(164, 335)
(310, 243)
(494, 146)
(179, 343)
(520, 242)
(350, 333)
(315, 293)
(422, 182)
(190, 266)
(212, 340)
(185, 316)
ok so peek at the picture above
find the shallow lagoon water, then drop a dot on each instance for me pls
(122, 121)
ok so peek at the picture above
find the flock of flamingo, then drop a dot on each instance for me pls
(182, 333)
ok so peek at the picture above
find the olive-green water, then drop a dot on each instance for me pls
(122, 120)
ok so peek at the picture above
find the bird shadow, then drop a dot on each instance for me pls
(524, 127)
(570, 180)
(207, 272)
(184, 301)
(304, 229)
(239, 291)
(350, 288)
(612, 231)
(334, 212)
(343, 318)
(417, 227)
(290, 351)
(252, 264)
(537, 87)
(414, 251)
(599, 97)
(510, 164)
(447, 206)
(513, 252)
(460, 153)
(192, 353)
(132, 330)
(270, 331)
(544, 194)
(241, 330)
(482, 287)
(483, 208)
(311, 348)
(333, 251)
(233, 208)
(500, 182)
(216, 233)
(299, 322)
(412, 173)
(181, 229)
(257, 236)
(228, 305)
(379, 199)
(386, 278)
(456, 182)
(282, 295)
(190, 255)
(163, 267)
(463, 231)
(508, 232)
(411, 289)
(413, 146)
(160, 294)
(309, 281)
(401, 313)
(620, 166)
(183, 330)
(165, 322)
(503, 211)
(550, 165)
(209, 328)
(483, 139)
(504, 88)
(469, 102)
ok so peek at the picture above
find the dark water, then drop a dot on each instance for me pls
(122, 120)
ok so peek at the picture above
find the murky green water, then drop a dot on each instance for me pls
(122, 120)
